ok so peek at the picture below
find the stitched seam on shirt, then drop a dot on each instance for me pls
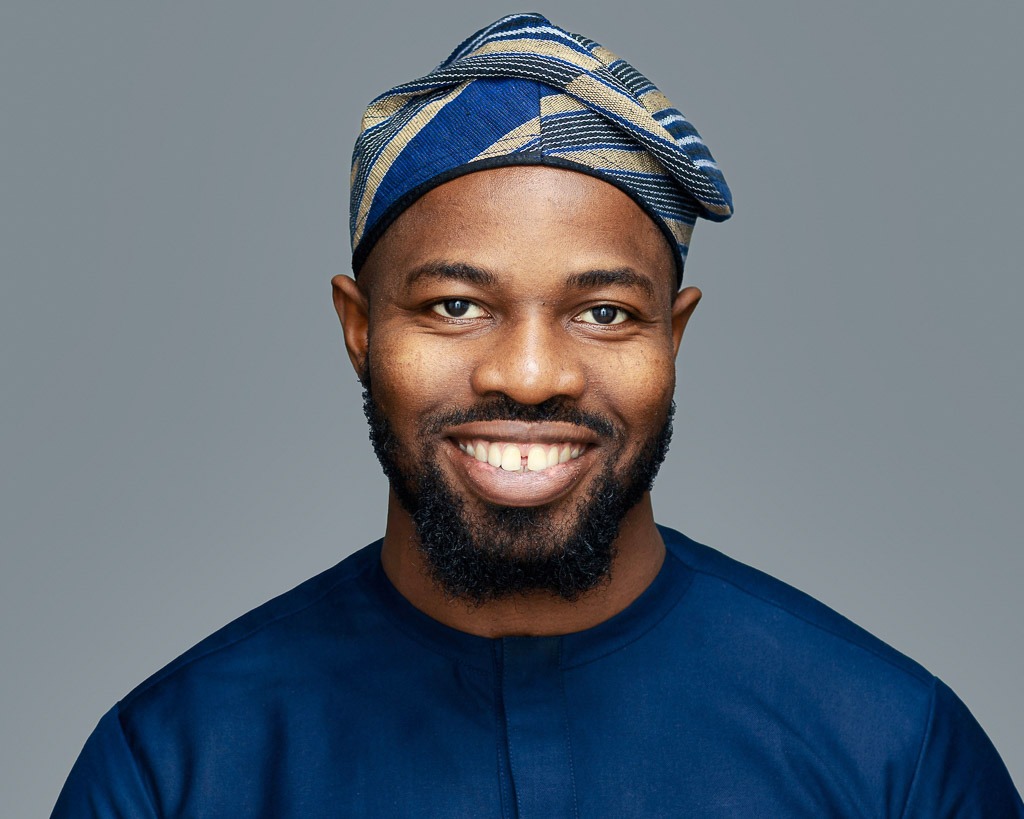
(240, 638)
(501, 738)
(508, 738)
(653, 624)
(401, 626)
(924, 744)
(776, 605)
(144, 782)
(412, 635)
(568, 735)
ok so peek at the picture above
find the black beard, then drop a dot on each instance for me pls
(514, 550)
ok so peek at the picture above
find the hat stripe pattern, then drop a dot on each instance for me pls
(523, 91)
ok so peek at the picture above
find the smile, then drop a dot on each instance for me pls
(511, 463)
(521, 457)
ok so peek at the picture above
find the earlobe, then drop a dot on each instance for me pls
(353, 308)
(682, 308)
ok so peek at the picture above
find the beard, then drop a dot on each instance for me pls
(502, 551)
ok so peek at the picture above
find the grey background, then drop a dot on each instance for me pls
(181, 432)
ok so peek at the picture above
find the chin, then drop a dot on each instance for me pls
(477, 550)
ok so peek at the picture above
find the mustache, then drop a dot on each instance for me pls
(503, 408)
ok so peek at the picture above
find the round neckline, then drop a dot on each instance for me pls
(577, 648)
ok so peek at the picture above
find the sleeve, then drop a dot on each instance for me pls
(959, 773)
(105, 782)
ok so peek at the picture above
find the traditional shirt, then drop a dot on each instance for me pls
(720, 692)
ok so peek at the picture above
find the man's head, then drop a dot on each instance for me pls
(516, 330)
(515, 326)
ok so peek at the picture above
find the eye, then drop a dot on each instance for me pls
(458, 309)
(605, 314)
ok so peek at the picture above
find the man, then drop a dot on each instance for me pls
(525, 641)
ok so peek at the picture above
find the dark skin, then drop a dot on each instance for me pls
(536, 283)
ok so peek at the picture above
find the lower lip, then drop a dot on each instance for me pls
(524, 488)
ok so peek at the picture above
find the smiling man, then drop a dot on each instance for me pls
(516, 329)
(525, 641)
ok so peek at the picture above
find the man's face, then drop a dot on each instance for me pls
(516, 330)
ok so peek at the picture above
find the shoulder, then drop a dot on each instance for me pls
(268, 636)
(835, 686)
(826, 689)
(221, 706)
(792, 616)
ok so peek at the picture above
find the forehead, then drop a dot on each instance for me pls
(545, 220)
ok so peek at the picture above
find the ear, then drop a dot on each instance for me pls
(682, 308)
(353, 308)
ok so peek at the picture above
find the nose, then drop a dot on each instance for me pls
(530, 360)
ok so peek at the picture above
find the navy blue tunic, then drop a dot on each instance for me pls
(720, 692)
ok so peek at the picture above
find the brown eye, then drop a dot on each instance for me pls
(605, 314)
(458, 308)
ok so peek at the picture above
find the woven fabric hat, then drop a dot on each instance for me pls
(524, 92)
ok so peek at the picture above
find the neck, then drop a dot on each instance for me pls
(639, 553)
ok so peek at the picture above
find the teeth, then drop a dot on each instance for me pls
(511, 459)
(537, 459)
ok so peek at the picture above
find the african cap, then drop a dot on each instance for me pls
(524, 92)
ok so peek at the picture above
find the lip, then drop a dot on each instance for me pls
(520, 432)
(502, 488)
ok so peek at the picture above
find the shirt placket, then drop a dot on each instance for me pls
(536, 729)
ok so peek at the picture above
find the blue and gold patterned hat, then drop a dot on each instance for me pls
(525, 92)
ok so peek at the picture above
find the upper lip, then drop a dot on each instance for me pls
(520, 432)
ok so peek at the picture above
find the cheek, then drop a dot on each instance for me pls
(408, 377)
(639, 382)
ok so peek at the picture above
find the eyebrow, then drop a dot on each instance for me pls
(462, 272)
(621, 277)
(450, 271)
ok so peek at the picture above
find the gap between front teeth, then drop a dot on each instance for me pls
(510, 457)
